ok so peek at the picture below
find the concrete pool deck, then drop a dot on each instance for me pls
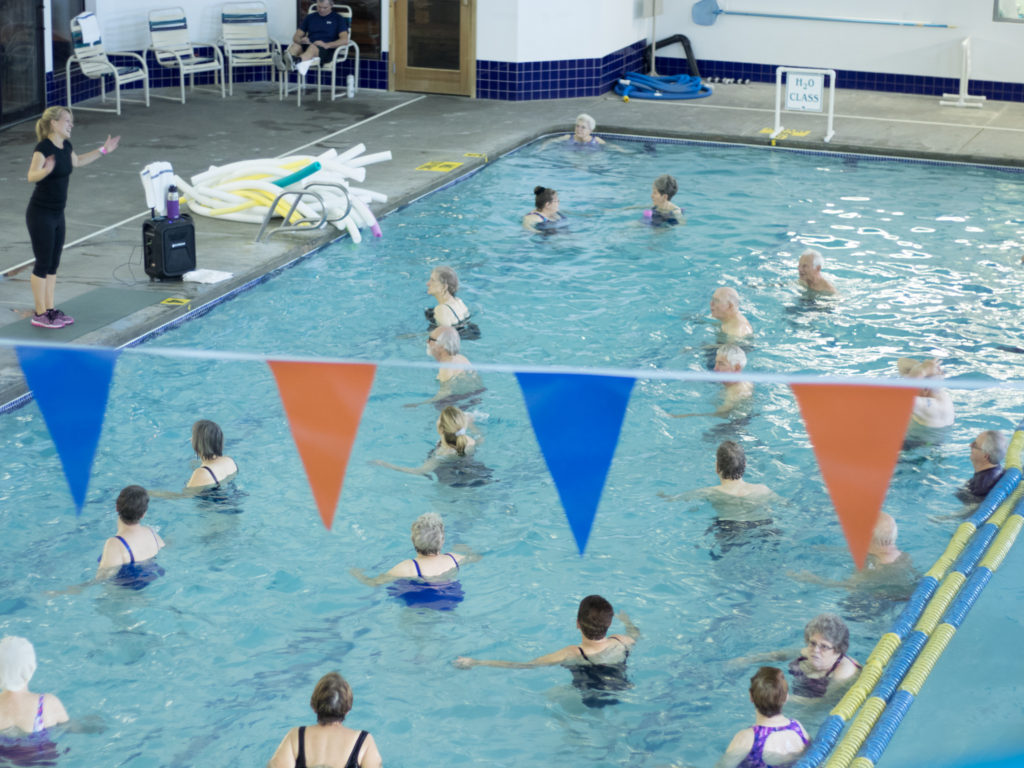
(102, 261)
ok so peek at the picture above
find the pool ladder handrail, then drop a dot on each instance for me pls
(299, 226)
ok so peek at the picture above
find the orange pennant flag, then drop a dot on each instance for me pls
(324, 403)
(857, 433)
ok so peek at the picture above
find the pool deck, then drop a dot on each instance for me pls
(106, 206)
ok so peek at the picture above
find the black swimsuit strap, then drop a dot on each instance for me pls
(300, 760)
(353, 757)
(834, 666)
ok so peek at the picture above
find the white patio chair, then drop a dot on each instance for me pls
(341, 54)
(246, 39)
(94, 62)
(168, 34)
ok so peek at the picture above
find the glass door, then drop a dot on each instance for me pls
(434, 47)
(21, 60)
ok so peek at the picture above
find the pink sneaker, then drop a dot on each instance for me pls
(46, 320)
(60, 317)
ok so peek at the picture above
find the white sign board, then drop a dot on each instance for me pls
(804, 91)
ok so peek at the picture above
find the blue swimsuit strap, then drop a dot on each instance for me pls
(37, 722)
(453, 560)
(419, 573)
(130, 553)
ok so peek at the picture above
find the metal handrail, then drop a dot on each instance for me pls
(335, 185)
(297, 226)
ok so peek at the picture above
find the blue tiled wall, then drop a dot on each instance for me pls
(848, 78)
(522, 81)
(372, 74)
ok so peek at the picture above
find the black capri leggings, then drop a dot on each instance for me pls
(46, 230)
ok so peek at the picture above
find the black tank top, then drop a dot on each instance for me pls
(52, 192)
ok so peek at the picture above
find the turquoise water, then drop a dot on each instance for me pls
(211, 664)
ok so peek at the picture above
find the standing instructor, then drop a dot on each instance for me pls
(50, 170)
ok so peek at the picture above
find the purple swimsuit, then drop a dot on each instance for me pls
(755, 758)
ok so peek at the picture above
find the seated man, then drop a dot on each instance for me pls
(987, 453)
(810, 275)
(598, 663)
(319, 35)
(725, 307)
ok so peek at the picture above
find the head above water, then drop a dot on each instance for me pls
(594, 617)
(447, 278)
(725, 303)
(730, 461)
(17, 663)
(832, 628)
(428, 534)
(331, 699)
(452, 425)
(811, 262)
(666, 185)
(769, 691)
(542, 196)
(992, 444)
(730, 357)
(132, 503)
(207, 440)
(885, 531)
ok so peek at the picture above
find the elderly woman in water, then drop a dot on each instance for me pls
(822, 665)
(20, 709)
(329, 742)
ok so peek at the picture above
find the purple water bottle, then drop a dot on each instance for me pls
(173, 211)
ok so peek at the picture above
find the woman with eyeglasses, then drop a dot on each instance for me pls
(822, 664)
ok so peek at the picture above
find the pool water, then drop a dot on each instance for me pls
(213, 662)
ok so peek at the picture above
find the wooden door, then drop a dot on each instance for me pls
(433, 46)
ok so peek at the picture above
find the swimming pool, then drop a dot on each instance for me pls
(212, 663)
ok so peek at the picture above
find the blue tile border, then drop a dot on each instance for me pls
(566, 78)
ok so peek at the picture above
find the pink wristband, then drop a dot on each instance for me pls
(103, 150)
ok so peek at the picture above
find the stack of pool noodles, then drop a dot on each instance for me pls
(244, 191)
(638, 86)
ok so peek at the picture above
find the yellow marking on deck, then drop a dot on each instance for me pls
(476, 154)
(175, 301)
(440, 166)
(786, 133)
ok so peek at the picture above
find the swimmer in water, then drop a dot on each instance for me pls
(598, 663)
(933, 407)
(730, 466)
(810, 275)
(444, 345)
(134, 543)
(774, 739)
(430, 564)
(822, 666)
(663, 210)
(20, 709)
(544, 218)
(450, 310)
(729, 358)
(455, 443)
(725, 307)
(208, 443)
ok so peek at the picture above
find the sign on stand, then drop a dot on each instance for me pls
(804, 93)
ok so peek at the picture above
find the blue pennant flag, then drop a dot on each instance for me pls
(577, 419)
(71, 388)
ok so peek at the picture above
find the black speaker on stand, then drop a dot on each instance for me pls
(169, 247)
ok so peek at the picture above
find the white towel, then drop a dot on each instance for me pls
(209, 276)
(156, 178)
(90, 28)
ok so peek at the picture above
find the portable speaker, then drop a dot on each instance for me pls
(168, 247)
